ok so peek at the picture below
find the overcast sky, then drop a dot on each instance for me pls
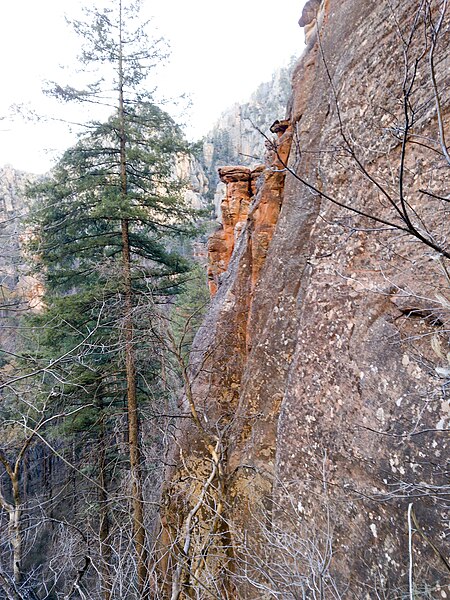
(221, 50)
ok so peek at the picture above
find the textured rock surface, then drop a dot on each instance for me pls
(18, 290)
(190, 170)
(323, 364)
(234, 208)
(235, 138)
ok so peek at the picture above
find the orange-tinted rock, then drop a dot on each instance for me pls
(241, 206)
(233, 174)
(219, 252)
(256, 174)
(323, 357)
(264, 214)
(240, 188)
(280, 127)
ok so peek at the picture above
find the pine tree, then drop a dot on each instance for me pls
(103, 226)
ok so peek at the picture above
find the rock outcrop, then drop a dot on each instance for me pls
(234, 211)
(242, 205)
(19, 291)
(320, 373)
(238, 135)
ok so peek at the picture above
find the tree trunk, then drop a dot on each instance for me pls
(133, 429)
(104, 529)
(16, 528)
(132, 408)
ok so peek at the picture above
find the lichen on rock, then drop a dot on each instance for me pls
(316, 362)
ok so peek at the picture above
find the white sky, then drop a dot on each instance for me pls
(221, 51)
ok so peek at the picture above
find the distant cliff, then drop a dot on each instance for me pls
(12, 210)
(18, 291)
(238, 135)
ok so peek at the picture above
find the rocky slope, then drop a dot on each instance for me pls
(318, 445)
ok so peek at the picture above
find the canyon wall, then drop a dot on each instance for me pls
(318, 441)
(236, 136)
(18, 290)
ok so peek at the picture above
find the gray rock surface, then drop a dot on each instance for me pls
(327, 376)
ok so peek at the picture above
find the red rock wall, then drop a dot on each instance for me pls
(324, 358)
(240, 190)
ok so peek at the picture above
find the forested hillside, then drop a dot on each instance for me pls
(100, 302)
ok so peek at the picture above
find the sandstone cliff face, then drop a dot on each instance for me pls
(321, 368)
(234, 209)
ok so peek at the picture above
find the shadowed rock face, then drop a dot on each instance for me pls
(309, 12)
(325, 358)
